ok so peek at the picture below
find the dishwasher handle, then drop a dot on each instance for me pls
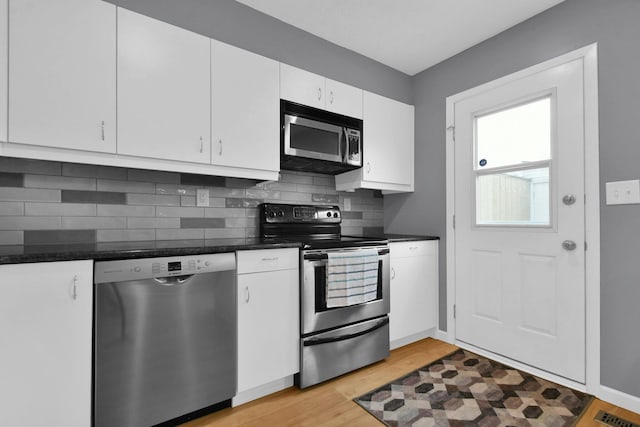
(172, 280)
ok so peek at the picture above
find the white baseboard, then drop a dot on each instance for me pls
(412, 338)
(442, 336)
(618, 398)
(261, 391)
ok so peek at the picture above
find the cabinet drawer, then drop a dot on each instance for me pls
(411, 249)
(267, 260)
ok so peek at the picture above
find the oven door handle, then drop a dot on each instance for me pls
(324, 256)
(317, 341)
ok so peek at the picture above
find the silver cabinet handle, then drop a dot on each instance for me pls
(331, 97)
(368, 167)
(270, 259)
(247, 294)
(319, 93)
(74, 292)
(393, 273)
(569, 245)
(201, 145)
(220, 147)
(102, 130)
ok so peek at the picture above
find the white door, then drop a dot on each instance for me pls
(164, 91)
(520, 220)
(242, 81)
(62, 74)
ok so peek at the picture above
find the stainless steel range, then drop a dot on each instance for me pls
(344, 290)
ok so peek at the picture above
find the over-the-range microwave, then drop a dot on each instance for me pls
(314, 140)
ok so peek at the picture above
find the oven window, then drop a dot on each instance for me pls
(321, 288)
(315, 140)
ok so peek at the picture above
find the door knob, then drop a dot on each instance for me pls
(569, 199)
(569, 245)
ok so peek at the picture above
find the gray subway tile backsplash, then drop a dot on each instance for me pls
(11, 179)
(103, 204)
(102, 197)
(11, 208)
(202, 223)
(50, 237)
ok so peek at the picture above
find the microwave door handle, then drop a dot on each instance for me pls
(344, 145)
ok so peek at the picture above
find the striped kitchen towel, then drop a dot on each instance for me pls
(352, 277)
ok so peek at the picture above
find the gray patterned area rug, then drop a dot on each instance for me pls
(464, 389)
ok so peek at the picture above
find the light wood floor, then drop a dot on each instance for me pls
(330, 403)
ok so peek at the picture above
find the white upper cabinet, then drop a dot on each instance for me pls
(301, 86)
(3, 68)
(388, 147)
(164, 78)
(45, 325)
(311, 89)
(62, 84)
(343, 99)
(245, 109)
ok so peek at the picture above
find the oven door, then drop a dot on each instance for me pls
(316, 316)
(313, 139)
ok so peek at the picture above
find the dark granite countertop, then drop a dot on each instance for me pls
(403, 237)
(19, 254)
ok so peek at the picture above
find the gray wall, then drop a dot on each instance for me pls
(613, 24)
(239, 25)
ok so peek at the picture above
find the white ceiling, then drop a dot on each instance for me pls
(408, 35)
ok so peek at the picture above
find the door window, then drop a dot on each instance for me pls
(513, 157)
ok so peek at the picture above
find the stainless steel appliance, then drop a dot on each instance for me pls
(165, 338)
(334, 340)
(319, 141)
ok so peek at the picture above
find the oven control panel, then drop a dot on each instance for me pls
(283, 213)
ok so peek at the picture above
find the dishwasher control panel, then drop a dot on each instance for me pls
(148, 268)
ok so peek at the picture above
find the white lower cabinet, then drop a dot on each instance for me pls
(414, 291)
(268, 321)
(45, 337)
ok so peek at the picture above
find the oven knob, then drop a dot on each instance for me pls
(280, 213)
(328, 214)
(335, 214)
(272, 214)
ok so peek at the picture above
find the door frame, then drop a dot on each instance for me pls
(589, 57)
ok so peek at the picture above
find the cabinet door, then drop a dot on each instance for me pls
(301, 86)
(45, 335)
(268, 327)
(414, 282)
(245, 109)
(387, 140)
(344, 99)
(163, 90)
(62, 74)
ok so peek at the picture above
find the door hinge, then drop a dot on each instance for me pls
(454, 311)
(453, 132)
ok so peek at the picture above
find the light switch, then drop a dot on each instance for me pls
(202, 197)
(623, 192)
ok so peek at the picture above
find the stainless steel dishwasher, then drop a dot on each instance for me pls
(165, 338)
